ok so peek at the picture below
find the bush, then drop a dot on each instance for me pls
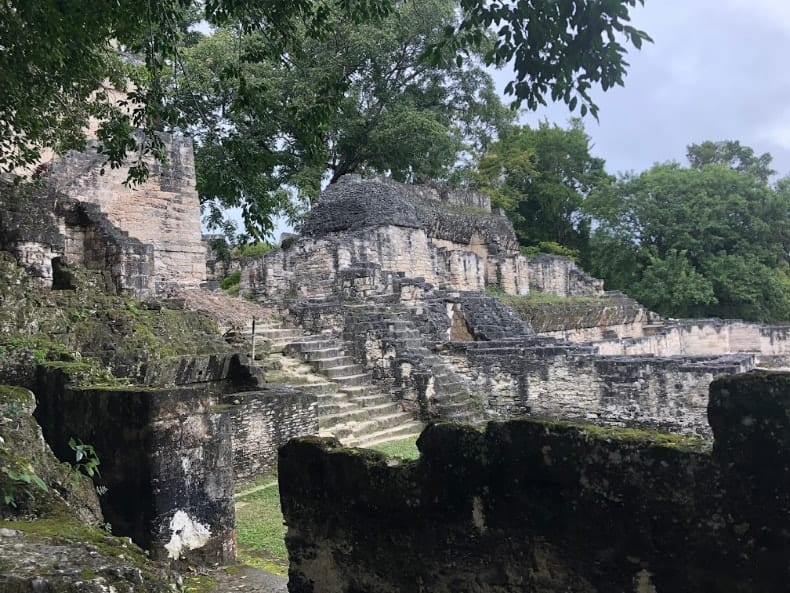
(251, 250)
(234, 278)
(551, 248)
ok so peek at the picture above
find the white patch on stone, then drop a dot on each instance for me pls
(643, 583)
(478, 516)
(186, 534)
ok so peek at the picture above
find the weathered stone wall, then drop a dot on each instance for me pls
(315, 268)
(562, 381)
(166, 460)
(585, 319)
(264, 420)
(163, 212)
(704, 337)
(561, 276)
(38, 225)
(542, 506)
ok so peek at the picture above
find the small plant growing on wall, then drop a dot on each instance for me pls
(86, 459)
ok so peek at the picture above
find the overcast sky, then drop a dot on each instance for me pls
(717, 70)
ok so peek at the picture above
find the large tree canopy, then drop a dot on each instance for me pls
(56, 54)
(382, 109)
(541, 176)
(710, 240)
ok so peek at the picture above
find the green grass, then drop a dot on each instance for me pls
(405, 449)
(260, 531)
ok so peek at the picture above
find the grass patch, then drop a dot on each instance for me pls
(260, 530)
(405, 448)
(199, 583)
(257, 483)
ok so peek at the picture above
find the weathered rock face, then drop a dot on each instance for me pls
(59, 557)
(543, 506)
(32, 481)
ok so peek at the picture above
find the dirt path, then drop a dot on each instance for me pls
(243, 579)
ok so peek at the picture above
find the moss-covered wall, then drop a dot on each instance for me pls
(544, 506)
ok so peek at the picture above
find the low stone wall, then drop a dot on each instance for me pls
(542, 506)
(264, 420)
(166, 460)
(585, 319)
(704, 337)
(563, 381)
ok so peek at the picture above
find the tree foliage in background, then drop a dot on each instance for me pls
(541, 177)
(359, 100)
(708, 240)
(57, 53)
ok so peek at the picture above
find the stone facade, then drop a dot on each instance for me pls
(41, 228)
(164, 211)
(263, 421)
(168, 473)
(448, 239)
(563, 381)
(146, 239)
(551, 507)
(560, 276)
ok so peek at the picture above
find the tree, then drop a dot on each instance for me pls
(382, 109)
(707, 241)
(57, 53)
(541, 177)
(60, 63)
(731, 154)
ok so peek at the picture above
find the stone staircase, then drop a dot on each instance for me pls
(451, 400)
(350, 407)
(353, 409)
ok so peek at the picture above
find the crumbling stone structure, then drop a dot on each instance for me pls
(146, 238)
(534, 505)
(373, 232)
(45, 230)
(399, 272)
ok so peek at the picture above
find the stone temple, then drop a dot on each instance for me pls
(396, 307)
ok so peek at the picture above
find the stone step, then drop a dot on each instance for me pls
(350, 417)
(355, 391)
(325, 388)
(397, 433)
(274, 333)
(324, 353)
(302, 346)
(329, 407)
(454, 410)
(362, 429)
(380, 410)
(342, 370)
(367, 401)
(323, 364)
(352, 380)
